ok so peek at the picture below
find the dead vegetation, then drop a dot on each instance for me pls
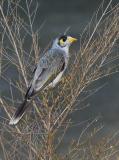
(35, 136)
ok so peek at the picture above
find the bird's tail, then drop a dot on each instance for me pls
(19, 112)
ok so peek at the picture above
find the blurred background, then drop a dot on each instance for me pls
(54, 17)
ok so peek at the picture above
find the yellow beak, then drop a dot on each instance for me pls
(72, 40)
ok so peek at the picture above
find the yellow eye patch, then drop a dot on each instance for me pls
(61, 42)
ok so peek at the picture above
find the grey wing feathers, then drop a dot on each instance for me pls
(50, 63)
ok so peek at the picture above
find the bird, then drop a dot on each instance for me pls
(53, 63)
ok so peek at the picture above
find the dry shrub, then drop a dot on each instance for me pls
(35, 136)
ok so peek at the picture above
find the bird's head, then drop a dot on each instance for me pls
(63, 42)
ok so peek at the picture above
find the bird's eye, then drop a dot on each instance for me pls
(62, 40)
